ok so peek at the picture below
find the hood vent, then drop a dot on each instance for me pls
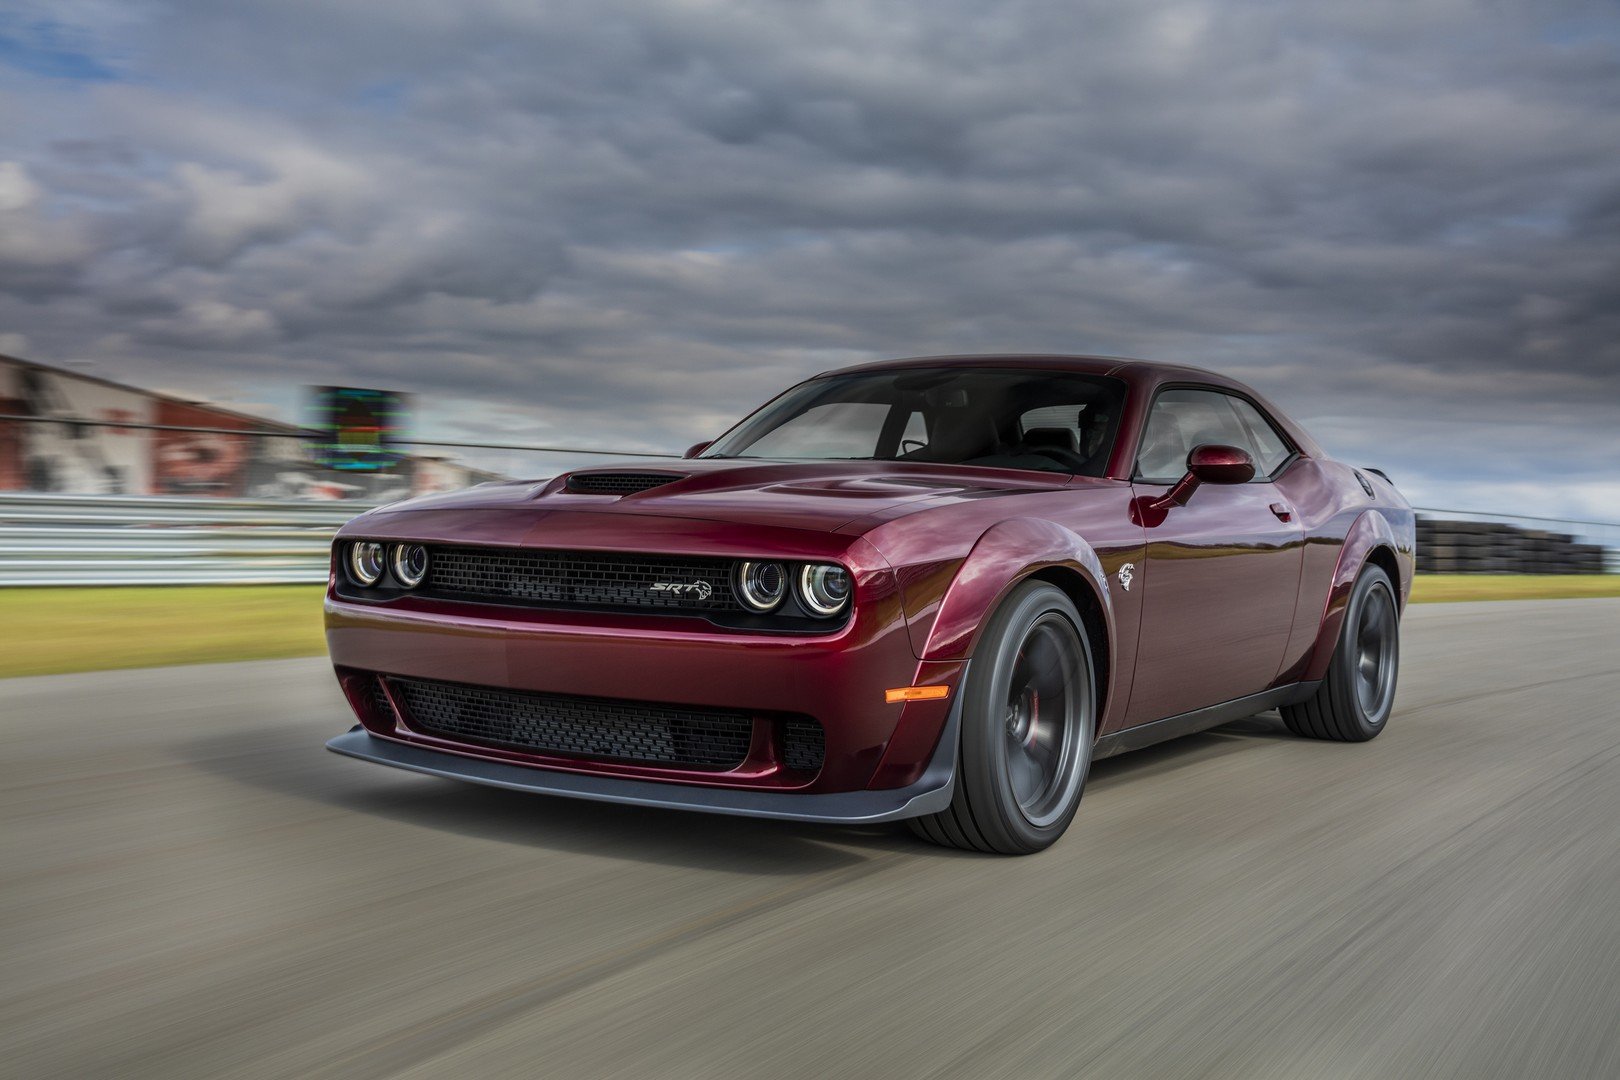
(618, 483)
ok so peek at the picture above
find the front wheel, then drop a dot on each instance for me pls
(1029, 715)
(1356, 697)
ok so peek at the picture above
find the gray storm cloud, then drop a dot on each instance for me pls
(624, 223)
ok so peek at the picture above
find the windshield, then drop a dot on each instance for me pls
(1007, 418)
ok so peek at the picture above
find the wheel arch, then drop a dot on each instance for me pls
(1371, 541)
(1080, 590)
(1007, 555)
(1383, 556)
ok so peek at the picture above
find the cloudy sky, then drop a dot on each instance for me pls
(623, 223)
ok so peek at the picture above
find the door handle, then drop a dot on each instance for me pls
(1283, 511)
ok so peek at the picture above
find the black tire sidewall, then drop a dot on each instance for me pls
(1344, 657)
(982, 765)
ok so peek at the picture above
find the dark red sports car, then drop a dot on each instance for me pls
(932, 589)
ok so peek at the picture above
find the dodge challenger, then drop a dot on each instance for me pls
(932, 590)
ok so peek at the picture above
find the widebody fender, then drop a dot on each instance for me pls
(1005, 555)
(1371, 531)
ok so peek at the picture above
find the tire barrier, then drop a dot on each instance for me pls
(1493, 547)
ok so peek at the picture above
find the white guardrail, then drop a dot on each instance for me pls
(158, 540)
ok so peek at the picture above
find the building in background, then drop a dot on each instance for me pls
(41, 450)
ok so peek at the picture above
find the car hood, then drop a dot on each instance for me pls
(829, 496)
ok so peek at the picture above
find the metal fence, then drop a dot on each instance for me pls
(161, 540)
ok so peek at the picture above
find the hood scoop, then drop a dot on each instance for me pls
(618, 483)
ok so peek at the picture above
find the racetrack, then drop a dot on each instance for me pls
(193, 886)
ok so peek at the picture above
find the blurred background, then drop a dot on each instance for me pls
(266, 265)
(554, 230)
(104, 484)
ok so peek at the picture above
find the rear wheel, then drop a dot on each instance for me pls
(1029, 715)
(1356, 697)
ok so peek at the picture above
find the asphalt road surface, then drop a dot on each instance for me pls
(192, 886)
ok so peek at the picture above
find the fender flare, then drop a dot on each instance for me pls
(1370, 531)
(1003, 557)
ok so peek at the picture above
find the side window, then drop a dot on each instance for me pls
(1267, 446)
(1181, 420)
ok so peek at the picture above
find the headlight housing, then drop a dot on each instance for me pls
(364, 562)
(761, 586)
(409, 564)
(824, 589)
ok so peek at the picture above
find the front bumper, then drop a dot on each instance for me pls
(837, 679)
(929, 794)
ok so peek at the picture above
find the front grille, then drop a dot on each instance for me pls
(582, 579)
(577, 726)
(803, 745)
(619, 483)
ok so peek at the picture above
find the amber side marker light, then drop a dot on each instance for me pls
(916, 693)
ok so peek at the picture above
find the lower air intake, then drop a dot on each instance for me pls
(803, 745)
(577, 726)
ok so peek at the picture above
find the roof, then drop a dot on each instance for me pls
(1145, 376)
(1121, 366)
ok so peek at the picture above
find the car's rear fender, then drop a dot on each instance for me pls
(1372, 537)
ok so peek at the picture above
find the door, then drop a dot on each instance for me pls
(1221, 573)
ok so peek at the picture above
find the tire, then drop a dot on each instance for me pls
(1355, 699)
(1021, 767)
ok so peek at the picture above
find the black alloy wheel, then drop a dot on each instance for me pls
(1029, 720)
(1355, 699)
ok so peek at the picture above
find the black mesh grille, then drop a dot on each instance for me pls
(619, 483)
(577, 726)
(379, 702)
(582, 579)
(803, 745)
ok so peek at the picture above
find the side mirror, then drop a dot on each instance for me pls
(1215, 464)
(696, 448)
(1209, 463)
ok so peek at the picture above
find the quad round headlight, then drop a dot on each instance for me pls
(409, 564)
(761, 586)
(365, 562)
(824, 590)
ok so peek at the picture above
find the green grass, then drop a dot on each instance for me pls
(1439, 588)
(48, 631)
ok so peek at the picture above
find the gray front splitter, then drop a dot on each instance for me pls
(929, 795)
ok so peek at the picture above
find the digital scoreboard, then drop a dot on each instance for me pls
(358, 429)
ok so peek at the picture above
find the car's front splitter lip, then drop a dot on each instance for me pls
(929, 795)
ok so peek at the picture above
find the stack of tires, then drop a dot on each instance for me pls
(1487, 547)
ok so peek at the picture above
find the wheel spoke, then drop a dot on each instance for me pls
(1026, 776)
(1375, 652)
(1044, 658)
(1047, 713)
